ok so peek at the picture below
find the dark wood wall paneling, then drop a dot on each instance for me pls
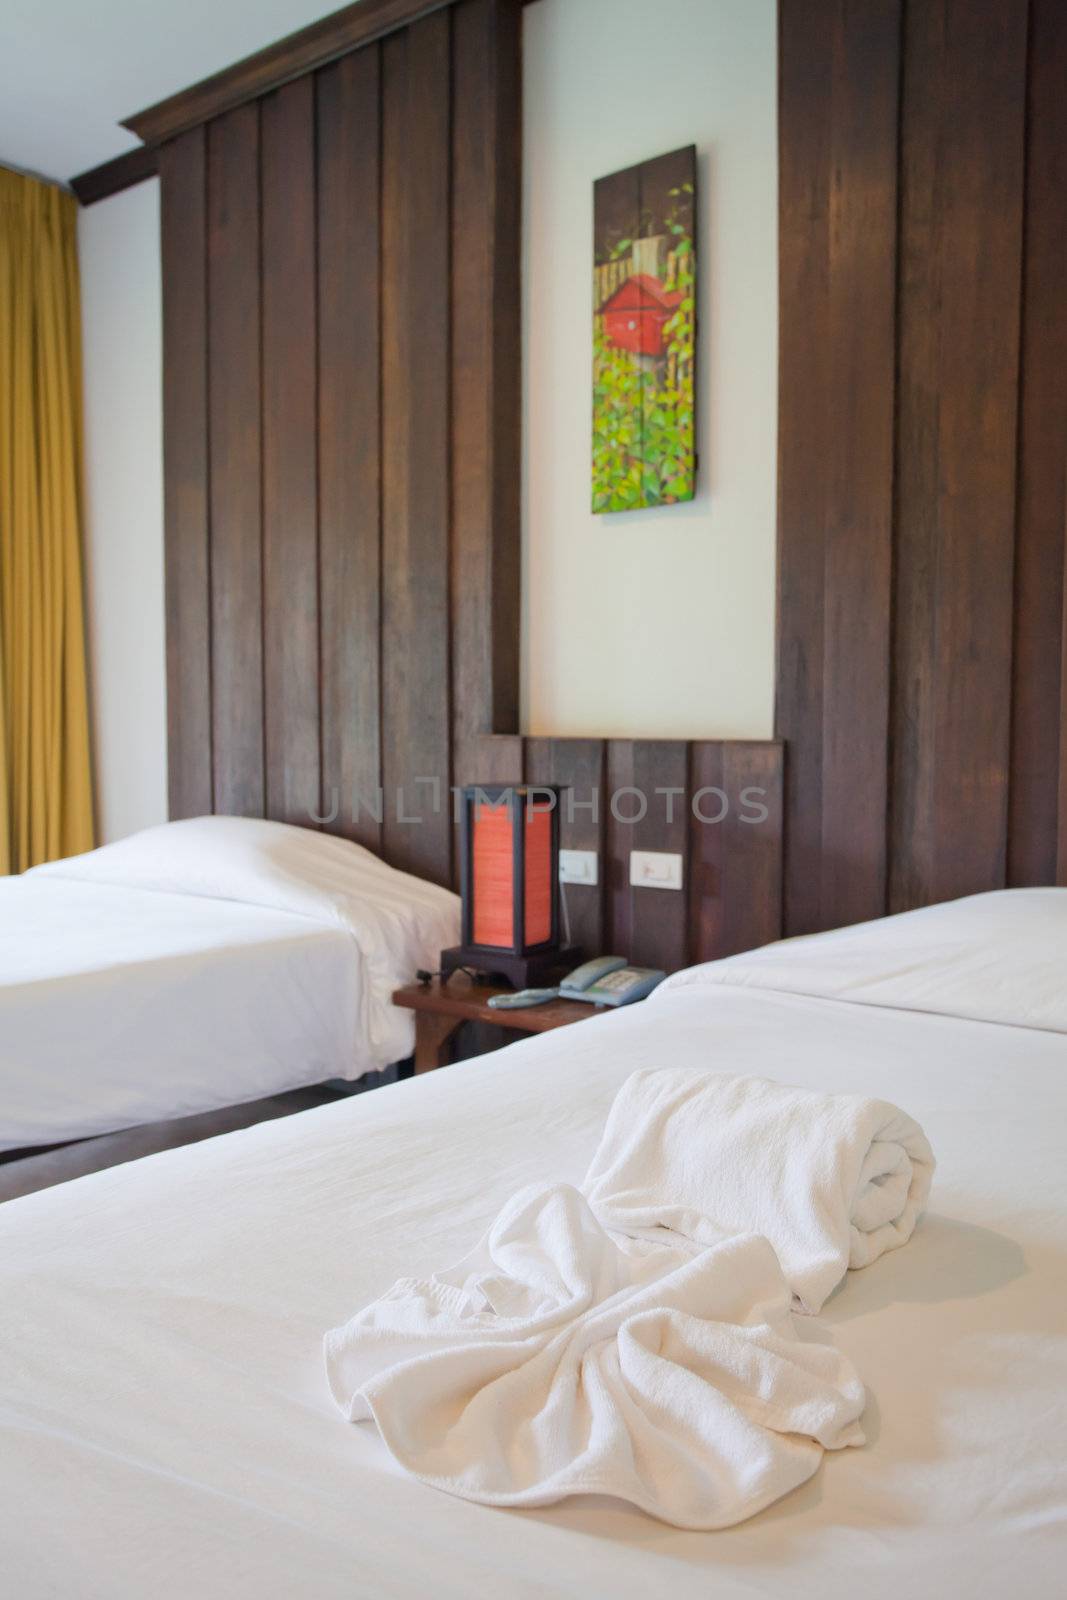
(700, 800)
(235, 460)
(341, 286)
(838, 86)
(486, 392)
(922, 446)
(962, 174)
(187, 546)
(341, 290)
(292, 705)
(348, 100)
(1037, 814)
(416, 200)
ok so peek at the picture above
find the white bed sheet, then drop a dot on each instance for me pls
(201, 964)
(166, 1427)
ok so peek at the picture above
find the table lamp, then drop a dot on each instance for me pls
(509, 882)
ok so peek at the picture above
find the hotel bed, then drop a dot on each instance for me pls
(166, 1426)
(198, 965)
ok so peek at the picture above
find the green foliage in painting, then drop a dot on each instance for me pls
(618, 427)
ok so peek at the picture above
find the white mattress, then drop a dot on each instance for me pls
(166, 1428)
(199, 965)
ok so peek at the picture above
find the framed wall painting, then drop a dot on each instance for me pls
(644, 334)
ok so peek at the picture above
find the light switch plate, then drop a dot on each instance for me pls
(578, 866)
(655, 869)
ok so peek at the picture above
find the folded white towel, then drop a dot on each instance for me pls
(635, 1338)
(557, 1360)
(832, 1180)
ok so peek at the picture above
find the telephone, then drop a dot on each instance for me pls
(605, 981)
(608, 981)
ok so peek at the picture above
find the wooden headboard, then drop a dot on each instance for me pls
(342, 416)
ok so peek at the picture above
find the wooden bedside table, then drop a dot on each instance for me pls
(440, 1008)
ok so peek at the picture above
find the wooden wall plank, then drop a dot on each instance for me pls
(859, 528)
(735, 862)
(489, 758)
(233, 277)
(505, 244)
(838, 136)
(1037, 733)
(647, 781)
(804, 405)
(349, 353)
(395, 418)
(659, 917)
(485, 371)
(1061, 820)
(183, 198)
(416, 740)
(290, 510)
(619, 774)
(961, 230)
(577, 765)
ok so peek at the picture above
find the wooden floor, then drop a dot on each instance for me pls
(24, 1171)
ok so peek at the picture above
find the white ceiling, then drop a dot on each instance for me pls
(70, 69)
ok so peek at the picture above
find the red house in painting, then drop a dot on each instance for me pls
(635, 315)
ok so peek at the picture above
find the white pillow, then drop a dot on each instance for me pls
(997, 957)
(257, 862)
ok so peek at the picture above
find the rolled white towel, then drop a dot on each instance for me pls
(832, 1180)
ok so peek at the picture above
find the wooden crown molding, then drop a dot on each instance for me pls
(111, 177)
(314, 46)
(300, 52)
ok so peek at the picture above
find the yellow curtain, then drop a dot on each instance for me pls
(45, 784)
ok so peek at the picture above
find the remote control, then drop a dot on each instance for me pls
(524, 997)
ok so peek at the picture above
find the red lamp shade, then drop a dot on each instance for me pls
(510, 869)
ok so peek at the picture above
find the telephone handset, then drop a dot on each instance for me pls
(609, 981)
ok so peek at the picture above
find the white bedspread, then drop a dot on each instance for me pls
(198, 965)
(164, 1426)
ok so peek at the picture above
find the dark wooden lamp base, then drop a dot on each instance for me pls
(538, 970)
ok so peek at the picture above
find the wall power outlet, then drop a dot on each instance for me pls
(655, 869)
(578, 866)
